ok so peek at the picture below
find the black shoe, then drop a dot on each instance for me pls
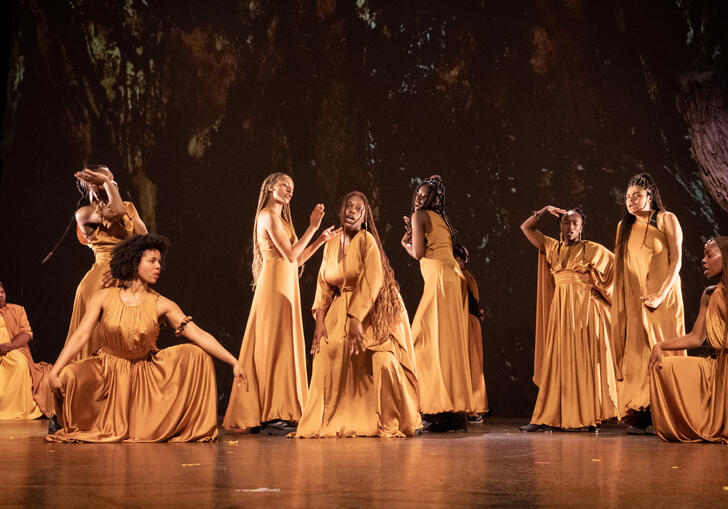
(278, 427)
(649, 430)
(636, 430)
(53, 425)
(530, 428)
(475, 418)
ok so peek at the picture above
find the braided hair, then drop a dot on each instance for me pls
(435, 200)
(643, 180)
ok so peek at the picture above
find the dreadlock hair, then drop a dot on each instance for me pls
(387, 305)
(263, 197)
(435, 200)
(128, 253)
(460, 251)
(83, 188)
(643, 180)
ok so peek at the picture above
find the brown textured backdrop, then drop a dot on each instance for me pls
(516, 104)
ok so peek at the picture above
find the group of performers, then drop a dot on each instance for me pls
(604, 322)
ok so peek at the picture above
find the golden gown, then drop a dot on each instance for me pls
(130, 391)
(24, 390)
(689, 395)
(574, 366)
(440, 329)
(102, 241)
(635, 327)
(475, 333)
(373, 393)
(273, 353)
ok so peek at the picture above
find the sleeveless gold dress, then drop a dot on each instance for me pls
(102, 242)
(273, 353)
(440, 330)
(636, 328)
(130, 391)
(690, 394)
(373, 393)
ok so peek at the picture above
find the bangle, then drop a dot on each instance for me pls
(182, 325)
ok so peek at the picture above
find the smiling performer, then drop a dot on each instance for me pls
(648, 305)
(364, 381)
(101, 225)
(573, 364)
(689, 395)
(130, 391)
(273, 353)
(440, 325)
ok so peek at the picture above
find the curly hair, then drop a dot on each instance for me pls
(263, 197)
(388, 304)
(128, 253)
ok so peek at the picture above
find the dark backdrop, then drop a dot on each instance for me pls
(516, 104)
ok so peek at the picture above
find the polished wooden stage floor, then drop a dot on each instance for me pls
(490, 465)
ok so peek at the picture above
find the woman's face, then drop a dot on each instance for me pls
(354, 212)
(571, 226)
(150, 266)
(421, 196)
(712, 260)
(637, 200)
(2, 296)
(282, 190)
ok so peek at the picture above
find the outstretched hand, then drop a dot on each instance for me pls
(317, 215)
(329, 233)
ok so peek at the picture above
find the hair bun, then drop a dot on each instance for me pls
(436, 178)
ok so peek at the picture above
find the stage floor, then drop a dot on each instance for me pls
(490, 465)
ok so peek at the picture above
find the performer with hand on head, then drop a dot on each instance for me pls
(273, 353)
(101, 225)
(364, 381)
(130, 391)
(573, 364)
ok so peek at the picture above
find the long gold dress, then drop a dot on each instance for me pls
(690, 394)
(635, 327)
(475, 333)
(102, 241)
(374, 393)
(440, 329)
(24, 390)
(130, 391)
(574, 366)
(273, 353)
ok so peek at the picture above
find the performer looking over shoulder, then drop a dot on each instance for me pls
(364, 381)
(648, 304)
(101, 225)
(24, 391)
(130, 391)
(273, 353)
(573, 363)
(689, 395)
(440, 325)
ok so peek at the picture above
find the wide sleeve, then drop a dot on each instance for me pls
(17, 321)
(370, 280)
(131, 211)
(324, 291)
(545, 288)
(602, 268)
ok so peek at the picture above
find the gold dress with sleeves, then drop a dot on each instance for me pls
(273, 353)
(475, 333)
(635, 327)
(102, 242)
(689, 395)
(129, 391)
(440, 329)
(574, 366)
(374, 393)
(24, 390)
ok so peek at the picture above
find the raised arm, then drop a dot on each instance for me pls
(693, 339)
(673, 232)
(77, 340)
(528, 227)
(328, 233)
(172, 312)
(272, 224)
